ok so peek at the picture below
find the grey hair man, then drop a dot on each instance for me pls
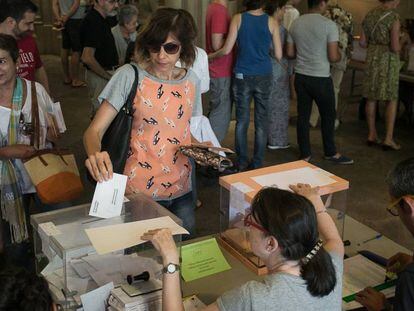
(401, 189)
(126, 31)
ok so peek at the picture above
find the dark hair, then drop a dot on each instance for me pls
(164, 21)
(16, 9)
(400, 180)
(9, 44)
(24, 291)
(253, 4)
(271, 6)
(315, 3)
(291, 219)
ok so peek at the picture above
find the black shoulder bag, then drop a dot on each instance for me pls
(117, 137)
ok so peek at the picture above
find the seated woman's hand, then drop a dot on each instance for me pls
(305, 190)
(99, 166)
(17, 151)
(164, 243)
(312, 194)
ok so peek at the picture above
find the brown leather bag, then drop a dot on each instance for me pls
(53, 172)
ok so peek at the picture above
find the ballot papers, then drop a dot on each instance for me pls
(97, 299)
(305, 175)
(360, 272)
(109, 196)
(116, 237)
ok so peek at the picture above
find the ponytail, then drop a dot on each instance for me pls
(319, 274)
(292, 220)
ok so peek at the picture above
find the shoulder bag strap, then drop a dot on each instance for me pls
(130, 101)
(35, 137)
(377, 23)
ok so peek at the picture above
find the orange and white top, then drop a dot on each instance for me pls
(163, 110)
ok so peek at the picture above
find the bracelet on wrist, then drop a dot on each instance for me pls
(321, 211)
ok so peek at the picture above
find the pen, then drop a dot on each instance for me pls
(371, 239)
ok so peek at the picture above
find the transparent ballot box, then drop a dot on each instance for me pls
(71, 265)
(238, 190)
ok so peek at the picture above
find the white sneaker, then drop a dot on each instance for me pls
(278, 147)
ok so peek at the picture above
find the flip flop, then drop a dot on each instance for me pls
(82, 84)
(67, 82)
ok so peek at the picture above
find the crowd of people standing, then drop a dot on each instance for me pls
(267, 54)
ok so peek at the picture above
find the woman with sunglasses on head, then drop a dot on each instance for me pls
(304, 272)
(163, 107)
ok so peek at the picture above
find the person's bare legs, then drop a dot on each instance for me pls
(64, 57)
(370, 110)
(390, 115)
(74, 69)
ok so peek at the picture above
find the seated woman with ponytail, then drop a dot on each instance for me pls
(286, 232)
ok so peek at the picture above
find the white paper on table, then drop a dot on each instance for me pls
(96, 300)
(108, 197)
(360, 272)
(108, 263)
(116, 237)
(305, 175)
(101, 278)
(238, 204)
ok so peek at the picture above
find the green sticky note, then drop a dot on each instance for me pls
(201, 259)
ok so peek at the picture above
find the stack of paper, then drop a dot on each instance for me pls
(120, 301)
(360, 272)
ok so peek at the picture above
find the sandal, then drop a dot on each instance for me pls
(78, 84)
(392, 147)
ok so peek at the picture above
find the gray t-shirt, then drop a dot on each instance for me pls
(282, 291)
(311, 34)
(118, 88)
(65, 6)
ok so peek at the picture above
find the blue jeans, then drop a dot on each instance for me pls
(246, 88)
(182, 207)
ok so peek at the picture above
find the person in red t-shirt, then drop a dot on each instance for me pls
(17, 19)
(217, 27)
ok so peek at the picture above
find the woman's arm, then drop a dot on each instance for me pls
(277, 44)
(326, 226)
(231, 38)
(98, 163)
(395, 37)
(16, 152)
(171, 288)
(363, 40)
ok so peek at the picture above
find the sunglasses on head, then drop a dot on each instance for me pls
(169, 48)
